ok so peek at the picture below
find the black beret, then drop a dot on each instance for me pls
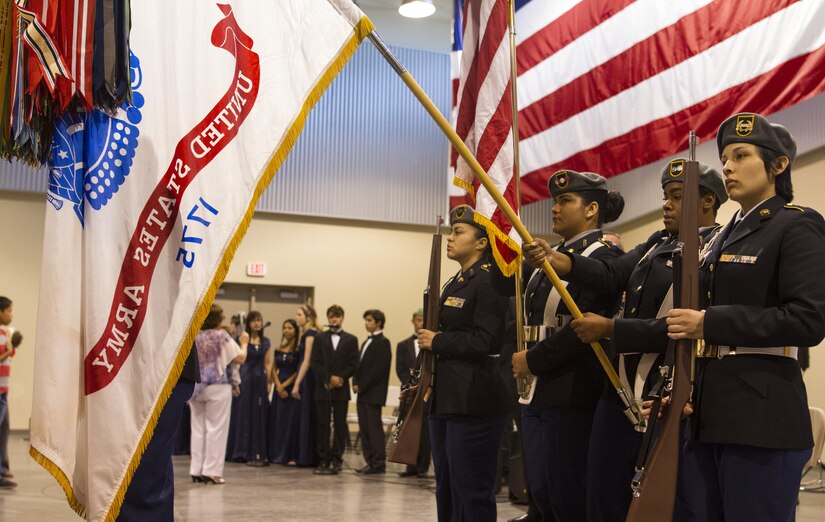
(465, 214)
(565, 181)
(757, 130)
(709, 178)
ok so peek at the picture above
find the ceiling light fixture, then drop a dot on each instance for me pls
(416, 8)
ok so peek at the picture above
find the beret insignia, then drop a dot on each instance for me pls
(744, 124)
(561, 179)
(677, 167)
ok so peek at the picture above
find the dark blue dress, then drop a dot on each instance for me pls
(284, 414)
(249, 432)
(307, 455)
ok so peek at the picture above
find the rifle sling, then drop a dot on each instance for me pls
(658, 392)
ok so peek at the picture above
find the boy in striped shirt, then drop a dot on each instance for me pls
(6, 353)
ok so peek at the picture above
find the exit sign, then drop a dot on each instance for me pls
(255, 269)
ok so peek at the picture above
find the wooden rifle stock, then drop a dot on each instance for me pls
(654, 486)
(406, 439)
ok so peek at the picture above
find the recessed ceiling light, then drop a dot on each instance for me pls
(416, 8)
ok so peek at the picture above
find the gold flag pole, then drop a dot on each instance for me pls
(630, 408)
(524, 385)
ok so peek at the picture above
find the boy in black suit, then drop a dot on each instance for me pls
(333, 362)
(406, 353)
(370, 383)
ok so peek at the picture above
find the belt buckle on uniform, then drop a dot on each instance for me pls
(531, 334)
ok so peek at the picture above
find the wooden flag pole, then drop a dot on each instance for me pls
(630, 408)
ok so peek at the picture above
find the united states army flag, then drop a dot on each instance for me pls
(147, 207)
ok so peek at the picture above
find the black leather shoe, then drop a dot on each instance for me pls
(374, 471)
(322, 469)
(336, 467)
(362, 470)
(408, 473)
(527, 517)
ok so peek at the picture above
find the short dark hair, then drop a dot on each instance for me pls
(377, 315)
(335, 311)
(5, 302)
(214, 318)
(782, 181)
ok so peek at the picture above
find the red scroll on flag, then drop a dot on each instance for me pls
(484, 120)
(194, 151)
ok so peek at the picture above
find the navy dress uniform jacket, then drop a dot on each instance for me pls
(646, 275)
(569, 374)
(467, 380)
(766, 289)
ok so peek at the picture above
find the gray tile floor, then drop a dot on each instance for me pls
(275, 492)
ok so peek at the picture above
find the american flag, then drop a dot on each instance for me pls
(483, 117)
(612, 85)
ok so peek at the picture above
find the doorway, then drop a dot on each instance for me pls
(276, 303)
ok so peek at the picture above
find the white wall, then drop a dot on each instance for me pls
(21, 221)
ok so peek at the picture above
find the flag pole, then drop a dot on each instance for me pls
(630, 408)
(524, 385)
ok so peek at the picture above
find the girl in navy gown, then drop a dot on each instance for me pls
(307, 320)
(284, 410)
(250, 429)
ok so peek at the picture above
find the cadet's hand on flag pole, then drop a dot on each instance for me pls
(591, 327)
(520, 368)
(536, 252)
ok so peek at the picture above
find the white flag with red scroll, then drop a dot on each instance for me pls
(147, 207)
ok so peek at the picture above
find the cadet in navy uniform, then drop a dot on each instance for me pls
(557, 417)
(751, 429)
(639, 335)
(151, 494)
(469, 402)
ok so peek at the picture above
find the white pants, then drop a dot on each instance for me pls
(210, 429)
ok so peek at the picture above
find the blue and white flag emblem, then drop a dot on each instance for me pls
(92, 153)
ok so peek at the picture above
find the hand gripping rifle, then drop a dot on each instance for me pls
(654, 485)
(406, 439)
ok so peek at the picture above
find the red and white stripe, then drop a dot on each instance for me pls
(78, 30)
(484, 119)
(612, 85)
